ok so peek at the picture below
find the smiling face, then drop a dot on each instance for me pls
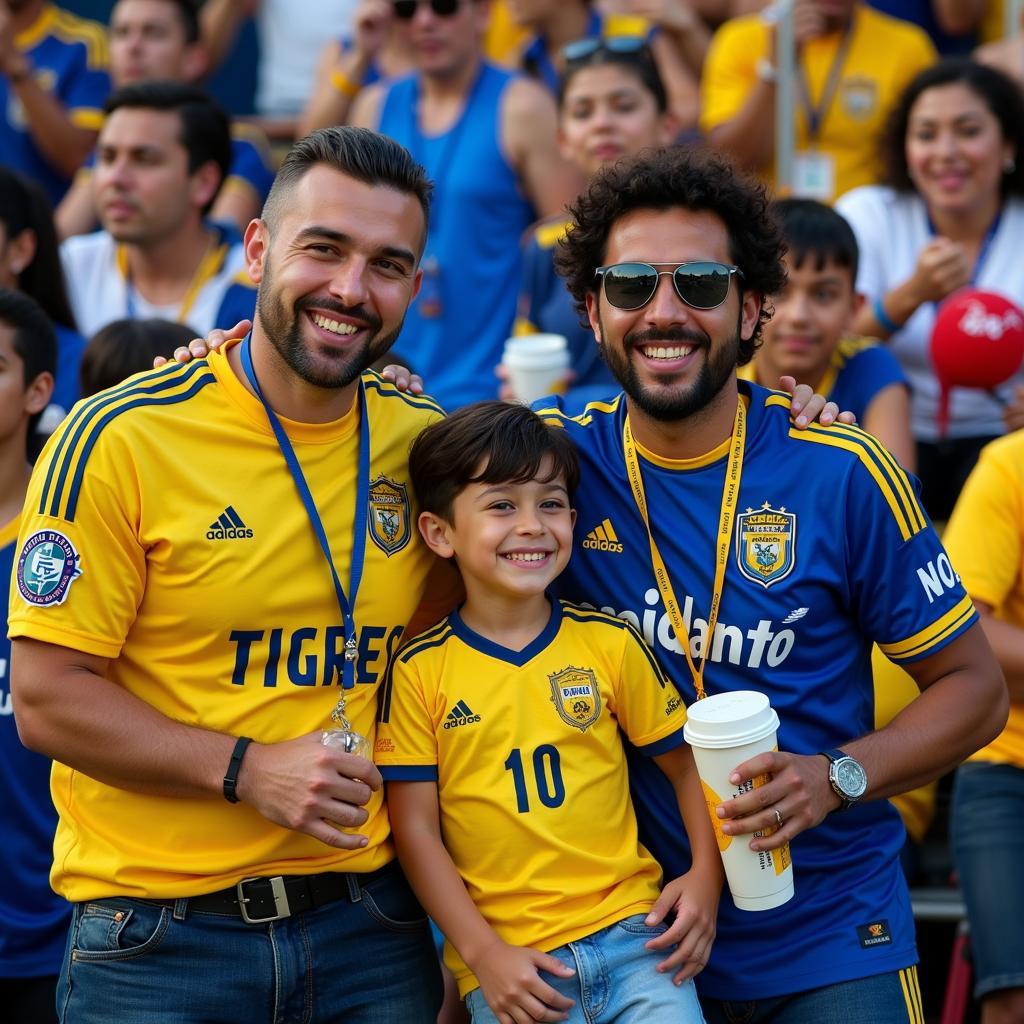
(811, 314)
(607, 113)
(509, 539)
(955, 149)
(670, 358)
(336, 273)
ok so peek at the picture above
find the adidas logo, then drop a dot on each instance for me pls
(228, 526)
(603, 538)
(460, 714)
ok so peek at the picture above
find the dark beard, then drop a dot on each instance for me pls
(331, 370)
(668, 406)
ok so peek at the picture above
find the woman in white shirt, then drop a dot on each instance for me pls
(950, 216)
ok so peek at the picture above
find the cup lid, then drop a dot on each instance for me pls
(730, 719)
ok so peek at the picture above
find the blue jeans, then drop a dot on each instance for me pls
(893, 998)
(988, 848)
(365, 959)
(615, 981)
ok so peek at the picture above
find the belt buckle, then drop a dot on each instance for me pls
(277, 891)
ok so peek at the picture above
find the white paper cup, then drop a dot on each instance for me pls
(536, 365)
(724, 731)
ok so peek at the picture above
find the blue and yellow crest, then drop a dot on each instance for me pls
(766, 544)
(576, 696)
(389, 515)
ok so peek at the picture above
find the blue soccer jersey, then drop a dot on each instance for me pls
(33, 918)
(830, 552)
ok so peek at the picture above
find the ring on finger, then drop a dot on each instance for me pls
(778, 818)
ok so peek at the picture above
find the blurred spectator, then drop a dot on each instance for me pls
(985, 540)
(379, 50)
(289, 33)
(951, 215)
(952, 25)
(30, 263)
(163, 152)
(487, 139)
(125, 347)
(1005, 54)
(808, 336)
(159, 40)
(33, 919)
(852, 64)
(53, 81)
(678, 45)
(612, 104)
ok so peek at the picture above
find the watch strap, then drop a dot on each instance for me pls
(231, 776)
(833, 756)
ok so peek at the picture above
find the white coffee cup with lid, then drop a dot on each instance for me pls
(536, 364)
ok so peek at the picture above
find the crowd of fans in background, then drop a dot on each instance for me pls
(125, 189)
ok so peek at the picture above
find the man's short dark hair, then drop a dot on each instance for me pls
(359, 153)
(35, 340)
(507, 439)
(813, 231)
(663, 180)
(187, 12)
(205, 129)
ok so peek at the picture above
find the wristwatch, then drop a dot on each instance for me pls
(847, 777)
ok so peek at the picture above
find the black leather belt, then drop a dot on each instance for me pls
(261, 900)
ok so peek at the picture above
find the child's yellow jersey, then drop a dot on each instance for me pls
(163, 531)
(527, 753)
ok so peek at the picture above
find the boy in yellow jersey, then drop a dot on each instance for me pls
(502, 730)
(179, 642)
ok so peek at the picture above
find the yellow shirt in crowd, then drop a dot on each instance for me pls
(884, 54)
(985, 541)
(163, 531)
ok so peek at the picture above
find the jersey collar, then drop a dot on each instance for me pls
(518, 658)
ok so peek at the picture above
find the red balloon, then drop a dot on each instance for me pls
(977, 342)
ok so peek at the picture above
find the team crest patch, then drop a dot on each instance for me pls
(389, 515)
(766, 544)
(47, 566)
(576, 696)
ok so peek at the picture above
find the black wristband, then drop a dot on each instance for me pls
(231, 778)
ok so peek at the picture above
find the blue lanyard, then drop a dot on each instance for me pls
(345, 603)
(986, 244)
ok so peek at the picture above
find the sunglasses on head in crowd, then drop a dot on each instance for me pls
(584, 49)
(702, 284)
(406, 9)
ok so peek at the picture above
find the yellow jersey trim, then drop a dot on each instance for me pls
(555, 417)
(69, 28)
(38, 30)
(891, 480)
(549, 234)
(918, 644)
(373, 380)
(912, 995)
(716, 453)
(87, 117)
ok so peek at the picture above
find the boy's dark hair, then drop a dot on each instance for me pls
(1000, 93)
(125, 347)
(23, 206)
(666, 179)
(507, 438)
(814, 231)
(35, 340)
(205, 129)
(639, 63)
(359, 153)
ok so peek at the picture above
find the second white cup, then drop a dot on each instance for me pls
(536, 365)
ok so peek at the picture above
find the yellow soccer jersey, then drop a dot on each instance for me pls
(884, 55)
(531, 771)
(985, 540)
(163, 531)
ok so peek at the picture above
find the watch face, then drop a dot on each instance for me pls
(850, 778)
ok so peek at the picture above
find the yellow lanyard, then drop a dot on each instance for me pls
(208, 267)
(730, 495)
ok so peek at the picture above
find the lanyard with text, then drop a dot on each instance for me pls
(346, 603)
(730, 495)
(816, 113)
(211, 262)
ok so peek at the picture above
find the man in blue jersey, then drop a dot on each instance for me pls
(820, 549)
(33, 919)
(487, 140)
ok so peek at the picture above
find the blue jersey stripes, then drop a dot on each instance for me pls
(831, 552)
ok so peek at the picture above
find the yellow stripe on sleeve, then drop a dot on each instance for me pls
(932, 634)
(88, 118)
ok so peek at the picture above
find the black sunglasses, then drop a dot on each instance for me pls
(702, 284)
(406, 9)
(584, 49)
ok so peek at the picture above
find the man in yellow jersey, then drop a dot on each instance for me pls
(202, 550)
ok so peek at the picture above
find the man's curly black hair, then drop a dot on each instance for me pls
(660, 180)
